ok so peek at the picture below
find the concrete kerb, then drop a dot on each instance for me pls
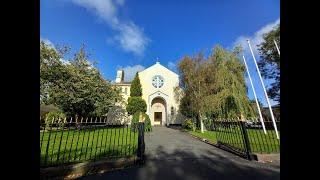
(85, 168)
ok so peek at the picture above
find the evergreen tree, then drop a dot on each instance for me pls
(135, 101)
(135, 89)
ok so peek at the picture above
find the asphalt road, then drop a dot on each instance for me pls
(172, 154)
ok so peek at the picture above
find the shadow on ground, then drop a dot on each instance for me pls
(183, 164)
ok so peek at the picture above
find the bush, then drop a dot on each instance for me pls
(189, 125)
(55, 116)
(147, 123)
(135, 121)
(136, 104)
(208, 123)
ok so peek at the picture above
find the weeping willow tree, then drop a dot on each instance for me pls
(228, 98)
(215, 87)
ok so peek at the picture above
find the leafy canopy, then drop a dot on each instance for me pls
(270, 61)
(75, 85)
(214, 86)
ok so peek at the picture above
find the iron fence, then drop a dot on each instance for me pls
(71, 140)
(246, 137)
(242, 137)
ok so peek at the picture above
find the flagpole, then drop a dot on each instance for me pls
(264, 90)
(255, 96)
(277, 46)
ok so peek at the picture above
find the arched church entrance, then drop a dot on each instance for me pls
(158, 111)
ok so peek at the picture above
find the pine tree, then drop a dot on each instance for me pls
(136, 105)
(136, 89)
(135, 101)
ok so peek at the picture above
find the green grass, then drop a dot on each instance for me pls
(78, 146)
(209, 135)
(259, 142)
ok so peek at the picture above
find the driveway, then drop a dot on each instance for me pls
(172, 154)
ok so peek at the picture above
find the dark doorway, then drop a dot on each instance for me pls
(158, 117)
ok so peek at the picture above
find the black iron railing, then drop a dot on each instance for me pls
(66, 141)
(246, 137)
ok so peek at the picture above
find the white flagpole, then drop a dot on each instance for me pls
(255, 96)
(265, 92)
(277, 46)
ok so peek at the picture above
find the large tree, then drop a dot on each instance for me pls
(228, 97)
(193, 80)
(215, 86)
(76, 87)
(270, 61)
(52, 69)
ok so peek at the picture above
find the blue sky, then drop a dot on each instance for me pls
(133, 34)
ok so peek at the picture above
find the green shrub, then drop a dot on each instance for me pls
(136, 104)
(208, 123)
(54, 117)
(147, 123)
(135, 121)
(189, 125)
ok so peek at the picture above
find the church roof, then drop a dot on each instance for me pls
(159, 65)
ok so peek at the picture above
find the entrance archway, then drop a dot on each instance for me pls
(158, 111)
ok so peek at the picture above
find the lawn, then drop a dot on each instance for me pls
(208, 135)
(259, 142)
(71, 146)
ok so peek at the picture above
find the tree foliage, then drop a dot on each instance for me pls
(75, 86)
(254, 106)
(135, 89)
(135, 101)
(135, 121)
(136, 104)
(215, 87)
(147, 123)
(270, 61)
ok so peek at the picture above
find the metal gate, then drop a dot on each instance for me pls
(232, 136)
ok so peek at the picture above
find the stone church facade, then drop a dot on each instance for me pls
(158, 84)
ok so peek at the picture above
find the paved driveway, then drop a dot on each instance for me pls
(172, 154)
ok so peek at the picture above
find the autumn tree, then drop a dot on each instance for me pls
(193, 80)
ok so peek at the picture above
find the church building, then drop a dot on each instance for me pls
(158, 84)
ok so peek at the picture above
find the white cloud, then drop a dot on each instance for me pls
(129, 36)
(256, 38)
(132, 39)
(130, 71)
(47, 42)
(172, 66)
